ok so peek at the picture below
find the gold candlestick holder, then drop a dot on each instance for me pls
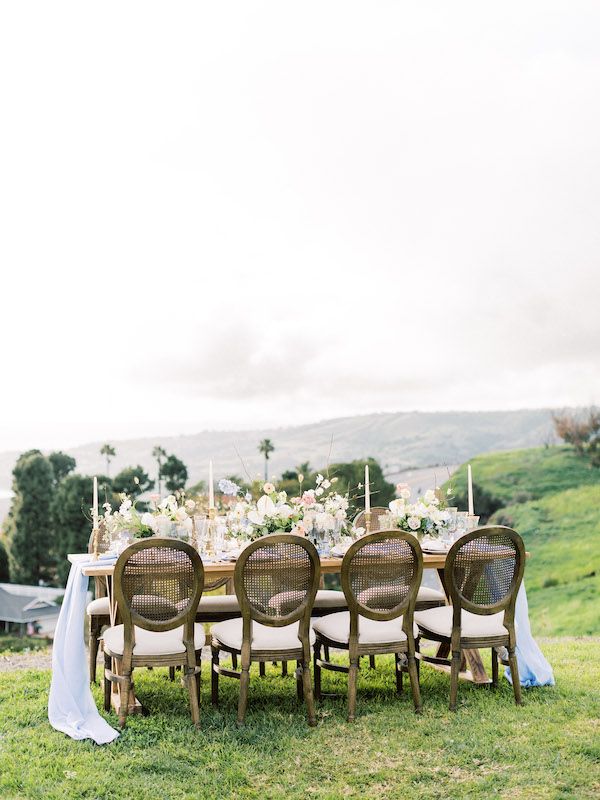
(96, 533)
(368, 521)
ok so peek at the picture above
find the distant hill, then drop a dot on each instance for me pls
(398, 440)
(557, 516)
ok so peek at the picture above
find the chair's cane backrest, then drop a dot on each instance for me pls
(158, 584)
(381, 575)
(377, 512)
(484, 570)
(276, 579)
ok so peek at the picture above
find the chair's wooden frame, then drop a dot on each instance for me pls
(456, 641)
(250, 614)
(376, 512)
(190, 660)
(406, 609)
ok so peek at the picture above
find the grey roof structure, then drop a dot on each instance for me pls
(24, 608)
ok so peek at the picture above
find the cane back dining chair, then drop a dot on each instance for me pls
(381, 573)
(98, 610)
(276, 580)
(483, 572)
(158, 584)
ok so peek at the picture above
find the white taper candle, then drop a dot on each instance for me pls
(211, 488)
(367, 489)
(95, 504)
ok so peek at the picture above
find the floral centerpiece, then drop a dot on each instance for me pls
(160, 520)
(424, 517)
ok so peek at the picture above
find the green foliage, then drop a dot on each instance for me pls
(28, 528)
(547, 749)
(174, 472)
(71, 521)
(133, 481)
(351, 477)
(62, 465)
(108, 451)
(266, 447)
(582, 430)
(11, 643)
(4, 568)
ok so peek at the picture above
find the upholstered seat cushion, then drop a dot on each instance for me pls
(329, 598)
(99, 606)
(439, 621)
(429, 595)
(264, 637)
(152, 643)
(336, 627)
(214, 603)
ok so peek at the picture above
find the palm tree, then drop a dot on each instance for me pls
(108, 451)
(266, 447)
(159, 453)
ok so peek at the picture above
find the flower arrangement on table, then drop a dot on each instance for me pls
(160, 520)
(425, 517)
(321, 508)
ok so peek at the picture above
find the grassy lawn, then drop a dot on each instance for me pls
(550, 748)
(11, 643)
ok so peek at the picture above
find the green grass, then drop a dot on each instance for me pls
(538, 471)
(549, 748)
(560, 523)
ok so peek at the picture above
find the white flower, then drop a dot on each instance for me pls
(190, 505)
(285, 512)
(319, 479)
(268, 488)
(326, 484)
(107, 507)
(299, 529)
(318, 491)
(147, 520)
(398, 508)
(414, 523)
(282, 497)
(181, 514)
(136, 480)
(403, 489)
(429, 496)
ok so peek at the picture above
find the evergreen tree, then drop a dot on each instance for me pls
(28, 530)
(70, 514)
(174, 472)
(4, 571)
(133, 481)
(62, 465)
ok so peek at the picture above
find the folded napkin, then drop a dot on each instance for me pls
(71, 707)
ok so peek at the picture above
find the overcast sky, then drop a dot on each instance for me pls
(227, 215)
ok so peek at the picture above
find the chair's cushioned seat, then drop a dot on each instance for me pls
(428, 595)
(153, 643)
(329, 598)
(99, 606)
(264, 637)
(212, 603)
(370, 631)
(439, 621)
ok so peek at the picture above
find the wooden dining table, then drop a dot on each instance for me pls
(216, 572)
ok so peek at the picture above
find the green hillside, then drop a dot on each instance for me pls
(559, 519)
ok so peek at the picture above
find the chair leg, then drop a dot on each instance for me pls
(454, 670)
(326, 651)
(494, 668)
(514, 674)
(93, 646)
(299, 687)
(171, 673)
(352, 681)
(107, 682)
(308, 694)
(192, 683)
(214, 677)
(284, 669)
(234, 660)
(317, 669)
(125, 694)
(198, 677)
(398, 674)
(261, 669)
(372, 662)
(414, 682)
(243, 699)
